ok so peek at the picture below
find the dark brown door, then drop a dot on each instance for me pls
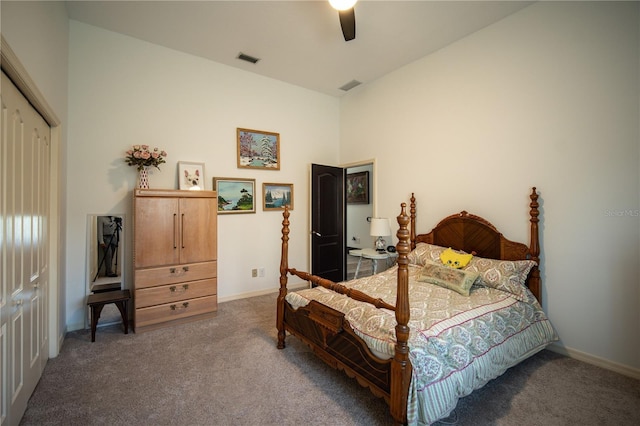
(327, 222)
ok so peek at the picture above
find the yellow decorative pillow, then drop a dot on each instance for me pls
(455, 260)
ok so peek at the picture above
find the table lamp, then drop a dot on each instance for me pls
(379, 228)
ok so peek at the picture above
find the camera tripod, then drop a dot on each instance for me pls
(110, 246)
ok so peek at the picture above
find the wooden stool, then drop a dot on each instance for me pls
(97, 301)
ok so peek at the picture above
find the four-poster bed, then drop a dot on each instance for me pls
(417, 345)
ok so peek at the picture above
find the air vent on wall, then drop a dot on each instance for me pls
(247, 58)
(350, 85)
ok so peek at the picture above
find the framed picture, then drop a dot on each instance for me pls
(258, 149)
(277, 195)
(190, 175)
(235, 195)
(358, 188)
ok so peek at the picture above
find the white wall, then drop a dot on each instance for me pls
(547, 97)
(124, 91)
(38, 34)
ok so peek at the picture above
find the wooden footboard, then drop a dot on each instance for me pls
(330, 336)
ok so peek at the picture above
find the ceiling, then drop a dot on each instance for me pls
(298, 41)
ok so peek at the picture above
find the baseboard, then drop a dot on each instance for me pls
(625, 370)
(293, 287)
(60, 343)
(76, 326)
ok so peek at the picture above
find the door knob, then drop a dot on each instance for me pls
(316, 233)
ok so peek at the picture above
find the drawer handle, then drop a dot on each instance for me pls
(173, 288)
(185, 305)
(175, 271)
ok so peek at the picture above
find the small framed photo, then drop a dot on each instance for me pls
(277, 195)
(258, 149)
(358, 188)
(235, 195)
(190, 175)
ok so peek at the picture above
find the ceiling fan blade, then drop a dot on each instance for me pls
(348, 23)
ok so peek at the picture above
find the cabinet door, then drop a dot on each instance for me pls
(156, 232)
(198, 224)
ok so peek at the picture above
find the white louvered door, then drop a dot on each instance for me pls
(24, 242)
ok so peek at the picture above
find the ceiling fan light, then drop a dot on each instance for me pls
(342, 4)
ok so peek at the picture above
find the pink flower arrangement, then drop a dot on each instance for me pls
(140, 156)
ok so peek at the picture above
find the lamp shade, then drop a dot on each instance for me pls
(379, 227)
(342, 4)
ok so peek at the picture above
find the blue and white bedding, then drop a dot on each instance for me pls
(457, 343)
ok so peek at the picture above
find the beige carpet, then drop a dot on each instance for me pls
(227, 371)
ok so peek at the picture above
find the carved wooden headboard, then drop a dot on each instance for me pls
(471, 233)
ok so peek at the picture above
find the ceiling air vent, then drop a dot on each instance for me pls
(247, 58)
(350, 85)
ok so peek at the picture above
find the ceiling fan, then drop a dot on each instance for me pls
(347, 16)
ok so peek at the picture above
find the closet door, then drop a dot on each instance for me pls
(24, 242)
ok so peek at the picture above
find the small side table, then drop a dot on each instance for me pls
(97, 301)
(371, 254)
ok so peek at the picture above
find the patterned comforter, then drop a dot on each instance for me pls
(457, 343)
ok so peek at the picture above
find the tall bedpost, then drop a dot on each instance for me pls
(284, 269)
(412, 210)
(534, 248)
(401, 366)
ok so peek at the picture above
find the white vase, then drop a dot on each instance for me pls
(143, 178)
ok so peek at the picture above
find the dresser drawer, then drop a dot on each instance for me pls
(174, 274)
(174, 292)
(174, 311)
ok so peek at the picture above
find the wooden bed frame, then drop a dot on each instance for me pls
(331, 337)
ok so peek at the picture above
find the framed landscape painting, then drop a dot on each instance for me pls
(258, 149)
(277, 195)
(235, 195)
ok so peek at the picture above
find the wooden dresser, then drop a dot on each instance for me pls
(175, 257)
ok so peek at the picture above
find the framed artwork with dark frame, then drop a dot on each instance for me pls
(358, 188)
(190, 175)
(276, 195)
(258, 149)
(235, 195)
